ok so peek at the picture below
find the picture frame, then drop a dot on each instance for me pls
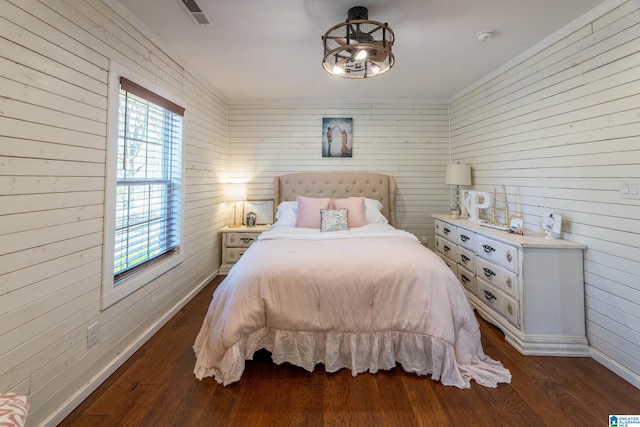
(552, 224)
(262, 209)
(516, 224)
(337, 137)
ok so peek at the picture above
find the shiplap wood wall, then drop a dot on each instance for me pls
(54, 62)
(560, 129)
(408, 140)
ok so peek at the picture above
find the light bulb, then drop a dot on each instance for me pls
(361, 55)
(375, 69)
(337, 70)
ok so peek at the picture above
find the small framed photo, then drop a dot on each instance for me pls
(552, 224)
(337, 137)
(516, 225)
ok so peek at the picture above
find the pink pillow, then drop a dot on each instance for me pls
(309, 211)
(356, 210)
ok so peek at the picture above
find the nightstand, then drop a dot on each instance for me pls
(235, 241)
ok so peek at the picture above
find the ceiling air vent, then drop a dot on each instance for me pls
(196, 14)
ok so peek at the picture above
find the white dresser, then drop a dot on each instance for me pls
(530, 287)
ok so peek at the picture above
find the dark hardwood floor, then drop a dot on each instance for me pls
(156, 387)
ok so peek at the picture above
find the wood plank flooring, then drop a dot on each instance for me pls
(156, 387)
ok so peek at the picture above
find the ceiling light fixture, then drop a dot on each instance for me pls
(358, 48)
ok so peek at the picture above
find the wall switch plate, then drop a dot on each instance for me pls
(630, 189)
(93, 335)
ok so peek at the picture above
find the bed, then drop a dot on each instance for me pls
(354, 292)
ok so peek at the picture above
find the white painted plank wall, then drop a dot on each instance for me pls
(54, 61)
(408, 140)
(561, 131)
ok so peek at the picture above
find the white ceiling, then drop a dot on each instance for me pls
(273, 48)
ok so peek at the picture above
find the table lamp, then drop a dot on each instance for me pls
(235, 193)
(457, 175)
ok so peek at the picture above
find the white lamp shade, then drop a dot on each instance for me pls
(235, 192)
(458, 174)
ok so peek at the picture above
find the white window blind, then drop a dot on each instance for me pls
(147, 220)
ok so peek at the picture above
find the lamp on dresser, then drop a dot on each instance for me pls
(235, 194)
(457, 175)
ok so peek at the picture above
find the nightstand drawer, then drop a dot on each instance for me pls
(241, 239)
(235, 242)
(232, 255)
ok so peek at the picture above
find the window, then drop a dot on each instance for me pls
(144, 172)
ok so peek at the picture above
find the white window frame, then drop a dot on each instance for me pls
(112, 293)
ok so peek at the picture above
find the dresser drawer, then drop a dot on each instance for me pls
(467, 239)
(467, 278)
(466, 258)
(241, 239)
(499, 277)
(505, 255)
(450, 263)
(445, 230)
(492, 297)
(448, 249)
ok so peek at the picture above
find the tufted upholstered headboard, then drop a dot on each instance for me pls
(338, 184)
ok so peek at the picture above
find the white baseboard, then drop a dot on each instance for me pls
(75, 400)
(631, 377)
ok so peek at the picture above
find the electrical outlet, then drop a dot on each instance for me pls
(93, 335)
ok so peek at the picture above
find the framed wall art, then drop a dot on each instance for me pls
(337, 137)
(552, 224)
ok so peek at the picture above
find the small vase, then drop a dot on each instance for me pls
(454, 213)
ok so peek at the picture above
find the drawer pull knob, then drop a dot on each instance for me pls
(488, 272)
(488, 249)
(465, 258)
(509, 257)
(446, 230)
(465, 278)
(509, 284)
(510, 308)
(246, 239)
(464, 238)
(489, 296)
(446, 248)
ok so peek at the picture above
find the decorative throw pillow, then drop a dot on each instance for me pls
(356, 215)
(333, 220)
(309, 211)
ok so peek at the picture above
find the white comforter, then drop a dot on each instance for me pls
(361, 299)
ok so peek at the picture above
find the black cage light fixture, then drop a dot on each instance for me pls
(358, 48)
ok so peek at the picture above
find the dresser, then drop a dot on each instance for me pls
(235, 241)
(530, 287)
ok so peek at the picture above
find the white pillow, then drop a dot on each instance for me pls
(286, 214)
(373, 212)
